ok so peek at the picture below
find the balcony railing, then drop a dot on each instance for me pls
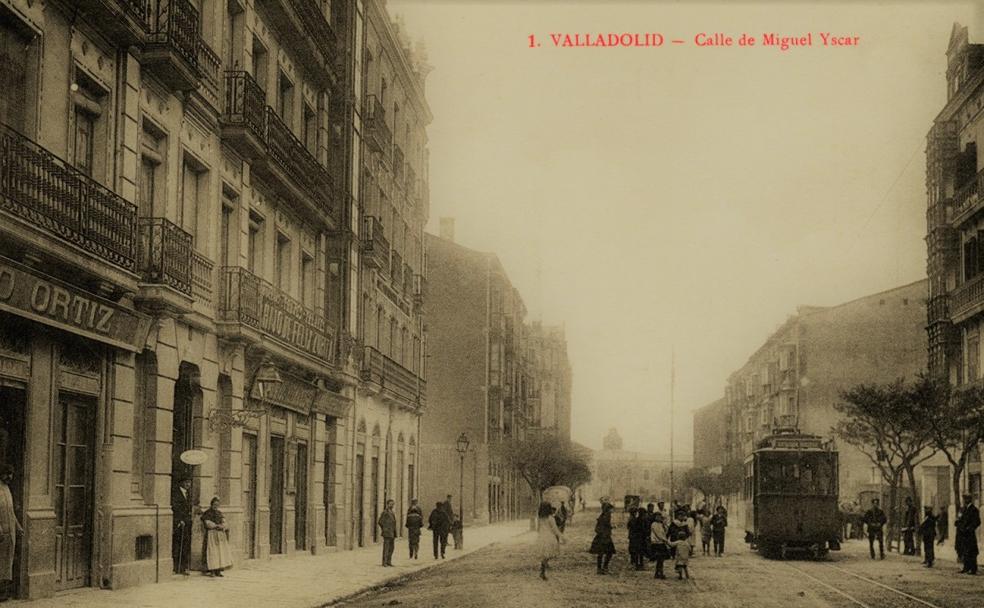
(124, 20)
(173, 41)
(969, 195)
(374, 246)
(318, 28)
(296, 162)
(248, 300)
(967, 298)
(378, 134)
(396, 381)
(47, 192)
(396, 270)
(201, 277)
(165, 254)
(211, 68)
(244, 114)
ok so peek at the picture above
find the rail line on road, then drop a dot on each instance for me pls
(852, 598)
(884, 586)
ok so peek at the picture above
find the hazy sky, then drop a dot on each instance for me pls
(681, 197)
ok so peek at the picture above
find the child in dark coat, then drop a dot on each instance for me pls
(602, 545)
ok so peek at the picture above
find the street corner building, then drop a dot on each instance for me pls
(955, 235)
(796, 377)
(491, 376)
(211, 246)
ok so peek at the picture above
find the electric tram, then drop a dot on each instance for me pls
(790, 495)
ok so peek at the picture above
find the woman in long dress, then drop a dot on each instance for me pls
(218, 553)
(602, 545)
(548, 538)
(9, 529)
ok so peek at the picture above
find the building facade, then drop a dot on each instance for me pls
(616, 473)
(491, 377)
(796, 377)
(954, 241)
(181, 266)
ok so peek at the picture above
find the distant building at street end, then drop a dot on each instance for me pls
(796, 377)
(711, 435)
(617, 473)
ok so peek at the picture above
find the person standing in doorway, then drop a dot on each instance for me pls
(970, 520)
(927, 531)
(183, 507)
(910, 521)
(439, 525)
(387, 528)
(415, 521)
(874, 523)
(9, 529)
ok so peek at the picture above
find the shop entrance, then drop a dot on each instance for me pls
(300, 497)
(249, 495)
(74, 424)
(13, 402)
(276, 478)
(360, 497)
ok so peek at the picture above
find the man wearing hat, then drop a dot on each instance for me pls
(967, 526)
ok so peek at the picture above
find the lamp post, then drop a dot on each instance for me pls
(462, 447)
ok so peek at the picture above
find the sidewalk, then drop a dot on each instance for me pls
(295, 582)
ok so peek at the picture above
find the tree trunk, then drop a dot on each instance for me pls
(893, 506)
(910, 473)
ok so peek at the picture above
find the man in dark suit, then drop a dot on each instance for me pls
(440, 525)
(874, 521)
(183, 508)
(967, 526)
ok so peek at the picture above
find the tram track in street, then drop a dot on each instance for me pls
(900, 599)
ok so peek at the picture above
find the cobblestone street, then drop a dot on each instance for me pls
(506, 575)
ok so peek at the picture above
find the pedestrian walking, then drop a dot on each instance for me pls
(387, 528)
(910, 521)
(970, 520)
(602, 545)
(9, 529)
(414, 522)
(549, 537)
(679, 535)
(691, 516)
(927, 532)
(719, 525)
(182, 508)
(439, 524)
(561, 516)
(638, 528)
(457, 531)
(216, 551)
(874, 523)
(704, 520)
(660, 544)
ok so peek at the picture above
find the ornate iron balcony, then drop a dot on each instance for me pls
(252, 308)
(211, 67)
(201, 278)
(297, 164)
(317, 27)
(378, 135)
(124, 20)
(165, 254)
(244, 116)
(374, 246)
(172, 47)
(396, 383)
(43, 190)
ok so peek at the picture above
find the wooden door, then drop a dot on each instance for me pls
(300, 497)
(249, 495)
(276, 478)
(73, 476)
(360, 496)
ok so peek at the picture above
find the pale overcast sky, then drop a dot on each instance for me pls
(681, 196)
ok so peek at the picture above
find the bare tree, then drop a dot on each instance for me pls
(544, 460)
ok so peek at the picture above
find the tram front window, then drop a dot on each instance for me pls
(794, 473)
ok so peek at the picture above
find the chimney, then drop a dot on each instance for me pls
(447, 228)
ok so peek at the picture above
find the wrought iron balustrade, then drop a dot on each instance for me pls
(165, 254)
(251, 301)
(244, 114)
(49, 193)
(317, 27)
(201, 277)
(176, 24)
(377, 131)
(396, 270)
(374, 244)
(969, 194)
(211, 68)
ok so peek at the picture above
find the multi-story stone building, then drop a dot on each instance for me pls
(180, 278)
(393, 204)
(490, 377)
(796, 377)
(954, 238)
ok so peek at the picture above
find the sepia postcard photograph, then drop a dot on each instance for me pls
(491, 303)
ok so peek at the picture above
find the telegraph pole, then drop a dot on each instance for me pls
(672, 380)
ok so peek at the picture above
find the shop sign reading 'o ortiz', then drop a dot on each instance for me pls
(47, 300)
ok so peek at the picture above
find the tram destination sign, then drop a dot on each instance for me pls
(47, 300)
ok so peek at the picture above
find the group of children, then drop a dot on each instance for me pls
(655, 536)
